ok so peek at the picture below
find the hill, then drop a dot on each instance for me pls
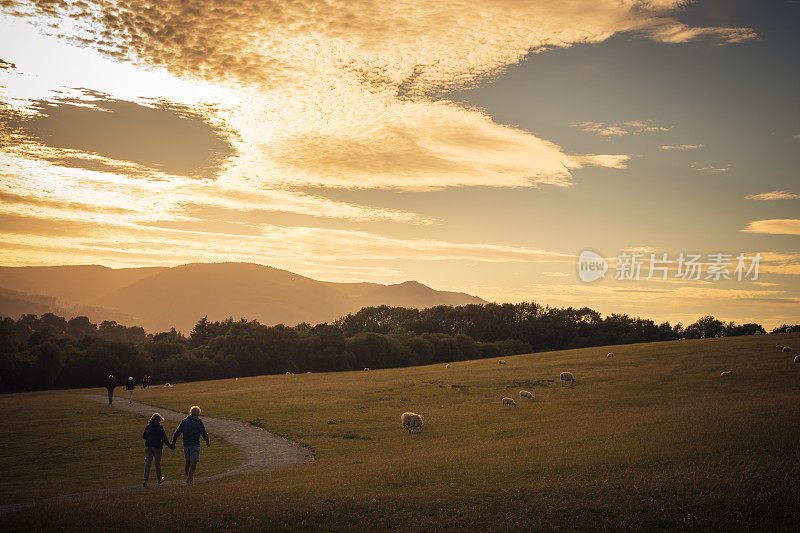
(158, 298)
(651, 439)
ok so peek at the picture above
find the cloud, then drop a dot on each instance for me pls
(682, 147)
(775, 226)
(79, 239)
(773, 195)
(607, 129)
(710, 168)
(343, 94)
(363, 78)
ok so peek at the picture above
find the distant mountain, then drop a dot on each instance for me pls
(158, 298)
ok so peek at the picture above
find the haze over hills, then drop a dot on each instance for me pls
(158, 298)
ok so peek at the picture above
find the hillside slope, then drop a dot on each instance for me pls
(158, 298)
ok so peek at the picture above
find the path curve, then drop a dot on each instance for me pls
(262, 451)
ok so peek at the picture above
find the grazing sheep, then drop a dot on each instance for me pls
(567, 376)
(727, 373)
(366, 369)
(510, 401)
(787, 348)
(447, 365)
(288, 373)
(501, 362)
(525, 394)
(610, 355)
(797, 358)
(779, 347)
(411, 421)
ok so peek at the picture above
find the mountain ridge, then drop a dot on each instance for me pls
(158, 298)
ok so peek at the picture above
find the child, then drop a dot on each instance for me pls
(154, 439)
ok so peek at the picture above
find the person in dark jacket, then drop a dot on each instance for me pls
(192, 428)
(154, 439)
(130, 386)
(110, 384)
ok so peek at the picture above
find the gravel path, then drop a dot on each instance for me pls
(262, 451)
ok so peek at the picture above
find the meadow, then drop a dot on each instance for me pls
(58, 442)
(653, 438)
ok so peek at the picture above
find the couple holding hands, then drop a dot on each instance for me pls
(155, 437)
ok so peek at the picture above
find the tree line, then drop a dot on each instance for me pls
(49, 351)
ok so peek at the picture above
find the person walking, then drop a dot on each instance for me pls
(110, 384)
(192, 428)
(130, 386)
(154, 439)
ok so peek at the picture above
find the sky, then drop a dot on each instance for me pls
(472, 146)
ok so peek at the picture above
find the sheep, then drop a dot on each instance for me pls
(525, 394)
(779, 348)
(168, 385)
(411, 421)
(797, 358)
(727, 373)
(511, 402)
(366, 369)
(787, 349)
(288, 373)
(501, 362)
(447, 365)
(610, 355)
(567, 376)
(758, 333)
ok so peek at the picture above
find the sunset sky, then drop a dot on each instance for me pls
(475, 146)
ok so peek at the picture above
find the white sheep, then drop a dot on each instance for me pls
(610, 355)
(411, 421)
(447, 365)
(366, 369)
(758, 333)
(525, 394)
(787, 349)
(797, 358)
(567, 376)
(168, 385)
(727, 373)
(509, 401)
(501, 362)
(288, 373)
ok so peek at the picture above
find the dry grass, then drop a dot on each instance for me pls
(59, 443)
(653, 438)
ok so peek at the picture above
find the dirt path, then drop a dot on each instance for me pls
(262, 451)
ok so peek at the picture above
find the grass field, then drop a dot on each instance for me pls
(60, 443)
(651, 439)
